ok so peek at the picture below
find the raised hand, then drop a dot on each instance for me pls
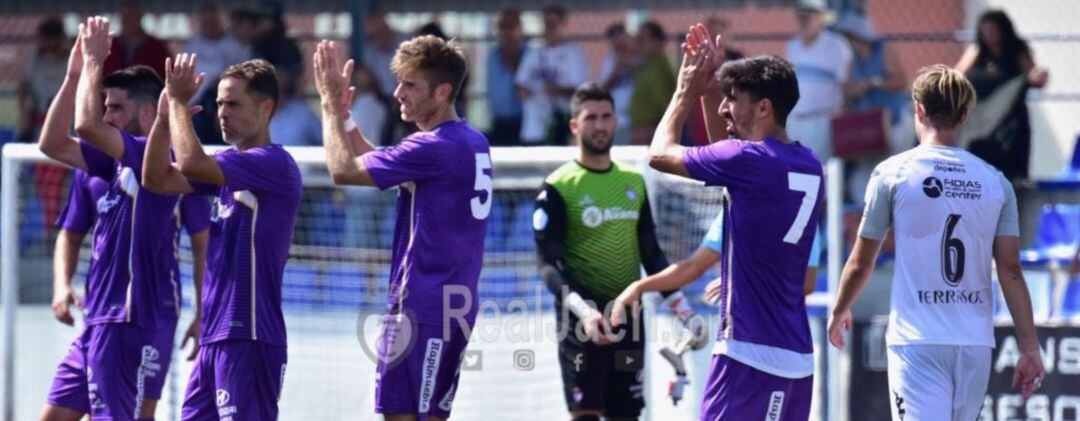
(94, 39)
(163, 105)
(181, 83)
(695, 78)
(75, 59)
(333, 80)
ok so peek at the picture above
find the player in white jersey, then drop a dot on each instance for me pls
(951, 212)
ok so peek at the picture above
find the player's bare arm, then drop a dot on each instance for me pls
(94, 41)
(853, 280)
(65, 259)
(199, 242)
(159, 175)
(181, 83)
(54, 141)
(1029, 369)
(673, 277)
(665, 152)
(344, 145)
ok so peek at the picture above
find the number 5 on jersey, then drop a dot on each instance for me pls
(482, 207)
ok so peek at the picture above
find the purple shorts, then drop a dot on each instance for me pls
(235, 380)
(736, 391)
(424, 378)
(111, 369)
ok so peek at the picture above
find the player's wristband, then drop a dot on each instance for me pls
(580, 308)
(350, 124)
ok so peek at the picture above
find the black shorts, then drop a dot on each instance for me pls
(609, 379)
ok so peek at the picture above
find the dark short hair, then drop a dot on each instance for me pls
(614, 30)
(51, 27)
(763, 77)
(588, 92)
(439, 61)
(554, 9)
(260, 76)
(244, 14)
(653, 30)
(142, 83)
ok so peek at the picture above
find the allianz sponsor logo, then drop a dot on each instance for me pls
(594, 216)
(937, 296)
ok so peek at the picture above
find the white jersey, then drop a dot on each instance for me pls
(563, 65)
(945, 206)
(822, 69)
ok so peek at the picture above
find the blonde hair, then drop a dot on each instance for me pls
(437, 60)
(945, 95)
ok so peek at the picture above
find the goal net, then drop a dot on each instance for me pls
(335, 285)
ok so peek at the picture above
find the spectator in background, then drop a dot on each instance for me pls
(216, 49)
(998, 57)
(380, 43)
(502, 65)
(654, 85)
(45, 69)
(273, 43)
(822, 60)
(294, 123)
(546, 78)
(718, 25)
(244, 25)
(369, 108)
(876, 81)
(135, 46)
(617, 76)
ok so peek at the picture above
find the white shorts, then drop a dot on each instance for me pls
(937, 382)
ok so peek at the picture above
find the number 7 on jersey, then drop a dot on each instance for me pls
(809, 184)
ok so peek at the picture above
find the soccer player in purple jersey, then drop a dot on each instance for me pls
(763, 359)
(256, 185)
(444, 179)
(74, 222)
(116, 367)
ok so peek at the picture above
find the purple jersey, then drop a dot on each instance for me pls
(133, 275)
(444, 199)
(771, 208)
(251, 228)
(81, 209)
